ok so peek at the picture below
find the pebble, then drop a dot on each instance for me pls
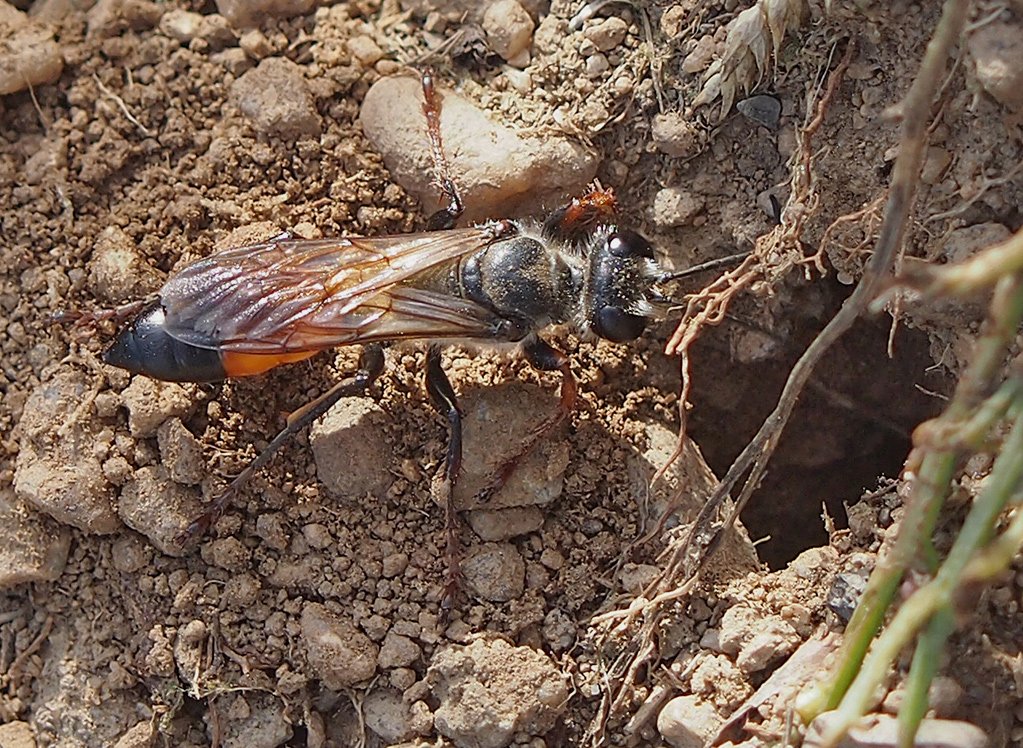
(997, 52)
(129, 553)
(504, 524)
(117, 270)
(33, 548)
(509, 30)
(150, 403)
(882, 731)
(634, 578)
(17, 735)
(365, 50)
(688, 722)
(180, 453)
(496, 421)
(182, 25)
(597, 65)
(675, 206)
(398, 651)
(962, 243)
(114, 17)
(276, 98)
(240, 13)
(387, 715)
(559, 629)
(500, 172)
(29, 55)
(350, 449)
(226, 553)
(762, 109)
(495, 572)
(607, 33)
(142, 735)
(59, 467)
(157, 507)
(702, 55)
(490, 690)
(339, 654)
(674, 135)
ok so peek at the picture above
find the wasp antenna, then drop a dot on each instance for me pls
(704, 267)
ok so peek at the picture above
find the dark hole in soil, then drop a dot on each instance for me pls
(852, 424)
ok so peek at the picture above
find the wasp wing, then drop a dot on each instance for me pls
(310, 294)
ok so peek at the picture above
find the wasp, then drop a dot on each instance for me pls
(245, 310)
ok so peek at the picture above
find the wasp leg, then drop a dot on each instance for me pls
(545, 358)
(446, 217)
(371, 364)
(443, 397)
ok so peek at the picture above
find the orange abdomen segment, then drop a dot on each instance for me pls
(247, 364)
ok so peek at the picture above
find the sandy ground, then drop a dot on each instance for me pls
(154, 133)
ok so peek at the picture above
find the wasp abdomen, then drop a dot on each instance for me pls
(145, 347)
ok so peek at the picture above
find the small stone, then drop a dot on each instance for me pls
(234, 60)
(499, 171)
(142, 735)
(776, 639)
(962, 243)
(276, 98)
(182, 25)
(509, 30)
(117, 270)
(597, 65)
(635, 578)
(180, 453)
(397, 651)
(763, 109)
(504, 524)
(226, 553)
(150, 403)
(29, 55)
(490, 690)
(688, 722)
(255, 720)
(339, 654)
(559, 629)
(241, 13)
(129, 554)
(936, 161)
(154, 505)
(59, 467)
(365, 50)
(108, 18)
(255, 44)
(607, 33)
(387, 715)
(33, 548)
(675, 206)
(17, 735)
(882, 731)
(241, 591)
(351, 450)
(394, 565)
(317, 536)
(496, 422)
(997, 52)
(702, 55)
(495, 572)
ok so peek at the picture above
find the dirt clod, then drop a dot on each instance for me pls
(352, 434)
(687, 722)
(29, 55)
(277, 100)
(339, 654)
(490, 690)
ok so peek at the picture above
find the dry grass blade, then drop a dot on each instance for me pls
(752, 36)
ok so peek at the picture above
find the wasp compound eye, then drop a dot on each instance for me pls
(624, 243)
(617, 325)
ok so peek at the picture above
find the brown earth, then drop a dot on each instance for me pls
(311, 614)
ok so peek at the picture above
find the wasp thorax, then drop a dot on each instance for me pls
(621, 272)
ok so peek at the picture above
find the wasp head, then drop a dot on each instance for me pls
(618, 298)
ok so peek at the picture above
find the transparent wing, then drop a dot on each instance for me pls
(300, 294)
